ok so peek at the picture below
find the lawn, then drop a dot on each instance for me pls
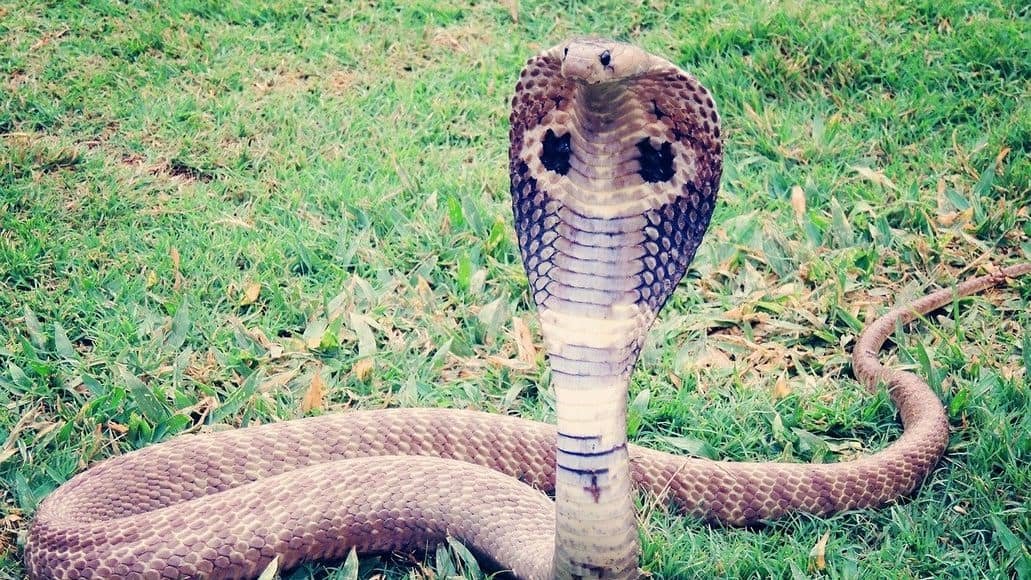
(221, 213)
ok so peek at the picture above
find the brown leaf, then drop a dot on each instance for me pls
(314, 397)
(295, 345)
(949, 218)
(174, 254)
(341, 81)
(250, 293)
(513, 9)
(199, 411)
(1002, 155)
(10, 446)
(508, 363)
(818, 555)
(362, 326)
(48, 38)
(117, 427)
(960, 218)
(259, 335)
(422, 287)
(714, 358)
(362, 369)
(524, 341)
(798, 201)
(314, 332)
(875, 176)
(781, 389)
(277, 381)
(447, 40)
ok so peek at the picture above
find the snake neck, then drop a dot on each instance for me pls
(592, 352)
(592, 327)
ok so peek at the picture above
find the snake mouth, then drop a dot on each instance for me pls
(583, 70)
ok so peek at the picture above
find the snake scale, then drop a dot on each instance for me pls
(615, 161)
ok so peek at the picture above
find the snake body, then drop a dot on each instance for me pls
(615, 161)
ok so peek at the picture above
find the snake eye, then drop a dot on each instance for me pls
(605, 58)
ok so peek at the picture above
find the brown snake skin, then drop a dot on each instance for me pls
(225, 505)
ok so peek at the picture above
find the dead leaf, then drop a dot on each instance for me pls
(6, 454)
(277, 381)
(259, 335)
(117, 427)
(875, 176)
(341, 81)
(798, 201)
(313, 333)
(447, 40)
(250, 293)
(1002, 155)
(524, 341)
(757, 120)
(712, 357)
(200, 410)
(362, 369)
(508, 363)
(362, 326)
(818, 555)
(10, 446)
(177, 275)
(422, 287)
(295, 345)
(48, 38)
(314, 397)
(513, 9)
(949, 218)
(781, 389)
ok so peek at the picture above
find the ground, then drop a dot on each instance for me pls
(226, 213)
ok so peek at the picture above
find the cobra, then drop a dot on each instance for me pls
(615, 161)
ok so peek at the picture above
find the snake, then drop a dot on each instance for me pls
(615, 161)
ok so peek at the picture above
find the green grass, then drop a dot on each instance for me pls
(157, 165)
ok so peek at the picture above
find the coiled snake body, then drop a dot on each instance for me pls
(615, 161)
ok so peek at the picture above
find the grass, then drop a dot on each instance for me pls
(234, 212)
